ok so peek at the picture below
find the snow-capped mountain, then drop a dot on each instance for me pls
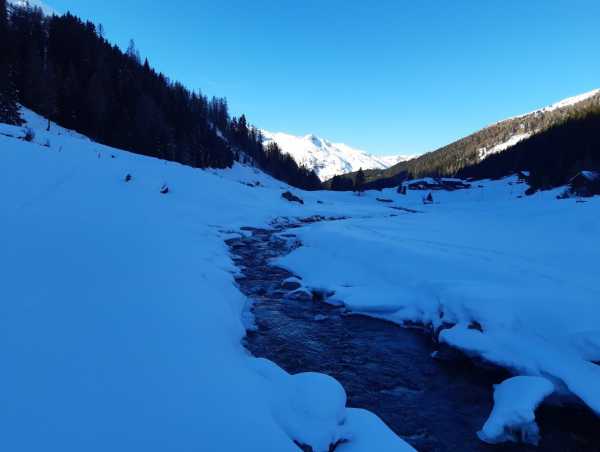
(34, 4)
(328, 159)
(568, 102)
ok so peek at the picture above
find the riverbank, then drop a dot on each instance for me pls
(434, 404)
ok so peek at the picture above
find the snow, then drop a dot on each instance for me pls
(590, 175)
(484, 152)
(326, 158)
(391, 160)
(312, 407)
(368, 434)
(570, 101)
(513, 415)
(47, 10)
(121, 326)
(524, 268)
(564, 103)
(121, 321)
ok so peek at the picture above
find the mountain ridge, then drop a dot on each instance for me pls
(473, 149)
(47, 10)
(326, 158)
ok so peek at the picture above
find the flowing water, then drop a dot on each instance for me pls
(434, 404)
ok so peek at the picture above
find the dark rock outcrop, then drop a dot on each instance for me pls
(291, 197)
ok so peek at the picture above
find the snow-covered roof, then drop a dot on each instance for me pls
(588, 175)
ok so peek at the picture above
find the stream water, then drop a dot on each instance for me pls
(434, 404)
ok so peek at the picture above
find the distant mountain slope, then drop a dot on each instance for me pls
(328, 159)
(494, 139)
(64, 69)
(33, 4)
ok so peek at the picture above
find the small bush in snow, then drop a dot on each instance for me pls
(29, 134)
(291, 197)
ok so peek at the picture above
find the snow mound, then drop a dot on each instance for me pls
(513, 415)
(310, 407)
(367, 435)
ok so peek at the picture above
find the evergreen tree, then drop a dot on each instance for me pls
(9, 107)
(359, 182)
(64, 69)
(9, 95)
(133, 52)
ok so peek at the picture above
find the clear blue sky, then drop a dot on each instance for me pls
(387, 76)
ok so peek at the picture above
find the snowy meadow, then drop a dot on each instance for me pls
(121, 324)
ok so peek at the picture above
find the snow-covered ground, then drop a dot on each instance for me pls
(568, 102)
(513, 416)
(523, 268)
(329, 159)
(515, 139)
(120, 324)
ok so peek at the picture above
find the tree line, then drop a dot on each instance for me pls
(463, 157)
(64, 69)
(551, 157)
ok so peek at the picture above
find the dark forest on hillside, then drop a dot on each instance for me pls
(568, 142)
(64, 69)
(552, 157)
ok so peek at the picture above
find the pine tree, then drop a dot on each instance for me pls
(9, 106)
(359, 182)
(9, 95)
(133, 52)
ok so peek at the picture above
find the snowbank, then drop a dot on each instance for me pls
(513, 416)
(521, 269)
(120, 325)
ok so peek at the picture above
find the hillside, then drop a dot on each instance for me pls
(458, 157)
(64, 69)
(325, 158)
(121, 324)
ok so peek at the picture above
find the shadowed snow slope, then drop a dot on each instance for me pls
(328, 159)
(120, 324)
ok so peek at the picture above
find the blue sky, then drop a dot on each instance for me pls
(386, 76)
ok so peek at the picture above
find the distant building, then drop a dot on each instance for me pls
(438, 183)
(584, 184)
